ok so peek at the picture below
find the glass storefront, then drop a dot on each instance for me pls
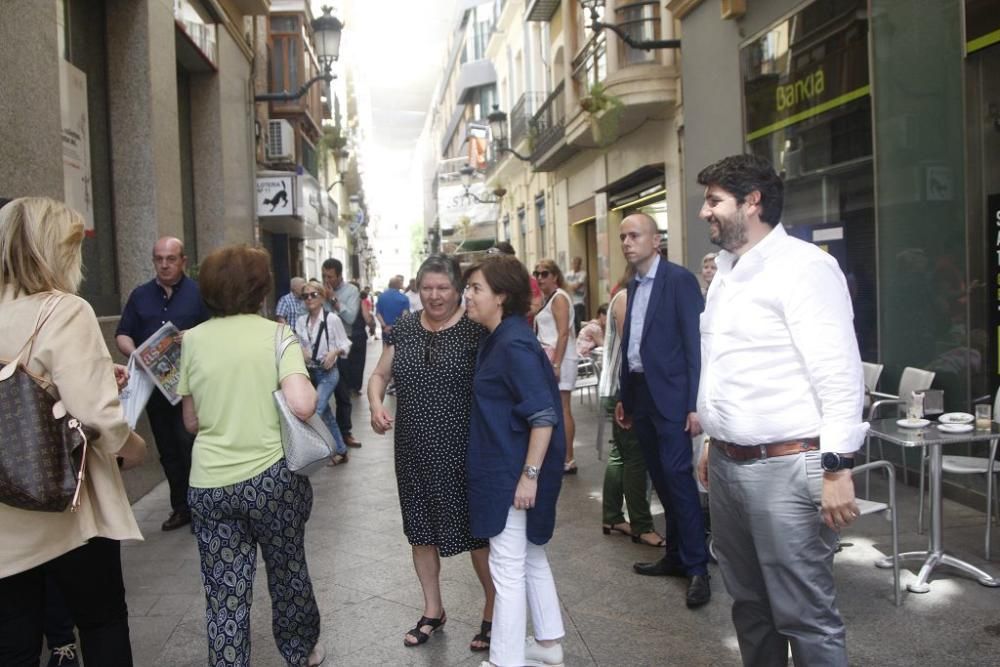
(807, 108)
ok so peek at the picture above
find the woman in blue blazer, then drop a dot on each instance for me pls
(516, 451)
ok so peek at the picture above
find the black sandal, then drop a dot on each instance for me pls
(422, 637)
(483, 637)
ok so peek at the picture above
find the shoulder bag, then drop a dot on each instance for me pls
(307, 444)
(43, 449)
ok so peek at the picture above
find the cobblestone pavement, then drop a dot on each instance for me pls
(369, 596)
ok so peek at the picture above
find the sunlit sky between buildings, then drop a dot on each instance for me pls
(396, 50)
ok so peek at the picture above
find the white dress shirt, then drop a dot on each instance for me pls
(779, 358)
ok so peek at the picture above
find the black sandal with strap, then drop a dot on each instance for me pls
(483, 637)
(422, 637)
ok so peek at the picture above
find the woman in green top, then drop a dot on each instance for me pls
(241, 492)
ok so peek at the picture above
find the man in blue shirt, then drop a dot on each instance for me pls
(169, 297)
(290, 307)
(392, 305)
(661, 364)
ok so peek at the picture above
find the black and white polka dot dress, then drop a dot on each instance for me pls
(433, 375)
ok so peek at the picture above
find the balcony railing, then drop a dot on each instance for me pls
(590, 65)
(549, 122)
(641, 21)
(520, 116)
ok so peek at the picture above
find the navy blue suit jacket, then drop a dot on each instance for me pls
(671, 343)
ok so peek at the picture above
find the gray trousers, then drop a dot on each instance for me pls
(776, 558)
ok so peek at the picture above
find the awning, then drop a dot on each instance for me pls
(639, 180)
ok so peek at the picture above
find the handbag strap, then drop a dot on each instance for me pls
(281, 344)
(322, 330)
(23, 355)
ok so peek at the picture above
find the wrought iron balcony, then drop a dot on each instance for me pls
(521, 115)
(549, 122)
(591, 65)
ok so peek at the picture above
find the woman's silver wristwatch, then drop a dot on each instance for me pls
(530, 471)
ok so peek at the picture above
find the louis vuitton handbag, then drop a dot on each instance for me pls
(43, 449)
(307, 444)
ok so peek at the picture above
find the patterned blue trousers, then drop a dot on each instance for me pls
(271, 510)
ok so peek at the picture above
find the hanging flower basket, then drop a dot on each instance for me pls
(604, 111)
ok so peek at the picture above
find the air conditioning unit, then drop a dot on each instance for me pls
(280, 140)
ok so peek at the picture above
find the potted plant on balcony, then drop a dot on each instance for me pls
(604, 111)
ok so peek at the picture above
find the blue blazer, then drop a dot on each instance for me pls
(513, 381)
(671, 343)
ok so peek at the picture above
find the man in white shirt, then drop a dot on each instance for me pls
(780, 396)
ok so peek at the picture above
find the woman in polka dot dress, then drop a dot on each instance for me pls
(431, 356)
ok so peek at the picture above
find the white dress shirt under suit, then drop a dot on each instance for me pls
(779, 356)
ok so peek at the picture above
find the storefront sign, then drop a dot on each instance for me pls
(275, 195)
(807, 65)
(76, 143)
(307, 205)
(993, 262)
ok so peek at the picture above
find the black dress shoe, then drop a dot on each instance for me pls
(176, 520)
(665, 567)
(699, 591)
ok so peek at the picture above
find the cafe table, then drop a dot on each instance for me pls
(934, 440)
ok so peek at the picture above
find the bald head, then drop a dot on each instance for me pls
(169, 260)
(647, 221)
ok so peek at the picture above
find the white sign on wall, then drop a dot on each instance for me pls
(76, 143)
(275, 195)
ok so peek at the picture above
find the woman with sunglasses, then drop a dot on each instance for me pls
(323, 340)
(431, 356)
(554, 324)
(515, 464)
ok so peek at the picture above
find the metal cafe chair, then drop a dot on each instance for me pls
(872, 374)
(868, 507)
(912, 379)
(971, 465)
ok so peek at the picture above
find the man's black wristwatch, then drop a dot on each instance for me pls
(833, 462)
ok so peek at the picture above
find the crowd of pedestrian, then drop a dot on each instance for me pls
(482, 363)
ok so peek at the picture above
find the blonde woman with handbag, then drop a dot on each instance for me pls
(40, 273)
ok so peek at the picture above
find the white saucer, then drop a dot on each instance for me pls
(956, 418)
(912, 423)
(954, 428)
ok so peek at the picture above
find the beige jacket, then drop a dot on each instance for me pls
(71, 351)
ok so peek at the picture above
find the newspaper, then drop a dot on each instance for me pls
(160, 357)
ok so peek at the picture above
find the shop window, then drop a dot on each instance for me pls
(807, 109)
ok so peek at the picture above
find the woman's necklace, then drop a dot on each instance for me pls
(436, 326)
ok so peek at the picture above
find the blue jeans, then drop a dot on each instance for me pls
(325, 382)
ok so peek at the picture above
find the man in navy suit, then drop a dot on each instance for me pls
(659, 393)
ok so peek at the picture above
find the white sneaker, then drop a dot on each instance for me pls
(536, 655)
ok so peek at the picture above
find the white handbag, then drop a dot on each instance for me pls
(308, 444)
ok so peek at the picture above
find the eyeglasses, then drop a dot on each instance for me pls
(494, 251)
(431, 349)
(541, 274)
(311, 295)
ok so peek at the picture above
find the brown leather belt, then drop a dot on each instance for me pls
(752, 452)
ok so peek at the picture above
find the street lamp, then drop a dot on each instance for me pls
(327, 30)
(341, 159)
(466, 173)
(646, 45)
(498, 130)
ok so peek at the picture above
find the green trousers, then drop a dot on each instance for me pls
(626, 475)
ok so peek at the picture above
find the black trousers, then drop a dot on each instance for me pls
(356, 360)
(90, 580)
(174, 444)
(342, 396)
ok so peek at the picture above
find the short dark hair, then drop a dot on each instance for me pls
(506, 275)
(235, 280)
(335, 264)
(444, 264)
(602, 309)
(505, 247)
(740, 175)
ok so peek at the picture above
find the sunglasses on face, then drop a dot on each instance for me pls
(541, 274)
(311, 295)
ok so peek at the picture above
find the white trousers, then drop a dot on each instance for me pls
(520, 572)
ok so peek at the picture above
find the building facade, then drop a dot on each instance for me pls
(884, 119)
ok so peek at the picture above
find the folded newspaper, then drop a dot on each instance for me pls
(160, 356)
